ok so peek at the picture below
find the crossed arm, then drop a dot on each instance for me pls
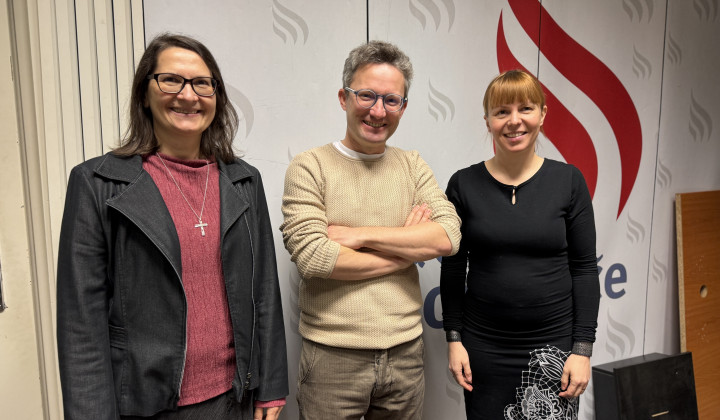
(372, 251)
(324, 250)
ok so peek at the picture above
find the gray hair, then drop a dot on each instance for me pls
(377, 52)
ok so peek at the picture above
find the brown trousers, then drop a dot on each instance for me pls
(338, 383)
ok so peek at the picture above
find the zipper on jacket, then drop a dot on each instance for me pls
(182, 370)
(252, 295)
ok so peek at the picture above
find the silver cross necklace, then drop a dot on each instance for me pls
(200, 223)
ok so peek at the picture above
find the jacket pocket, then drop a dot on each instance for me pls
(118, 337)
(118, 356)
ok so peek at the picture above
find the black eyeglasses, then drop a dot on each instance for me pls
(366, 98)
(173, 83)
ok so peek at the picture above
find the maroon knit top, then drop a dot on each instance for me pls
(210, 358)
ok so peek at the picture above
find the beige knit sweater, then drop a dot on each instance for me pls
(324, 187)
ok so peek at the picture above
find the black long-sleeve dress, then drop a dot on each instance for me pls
(532, 287)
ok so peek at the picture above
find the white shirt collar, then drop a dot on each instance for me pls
(355, 155)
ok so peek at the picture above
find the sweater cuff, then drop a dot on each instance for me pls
(269, 404)
(582, 348)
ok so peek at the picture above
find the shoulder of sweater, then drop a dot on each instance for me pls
(325, 148)
(402, 152)
(412, 157)
(316, 153)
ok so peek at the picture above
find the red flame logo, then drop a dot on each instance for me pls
(595, 80)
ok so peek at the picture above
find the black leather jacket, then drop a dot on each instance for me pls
(120, 300)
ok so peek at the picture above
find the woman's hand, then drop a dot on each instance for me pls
(271, 413)
(575, 377)
(459, 365)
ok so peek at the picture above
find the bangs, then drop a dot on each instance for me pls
(511, 87)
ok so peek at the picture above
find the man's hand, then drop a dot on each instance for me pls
(418, 214)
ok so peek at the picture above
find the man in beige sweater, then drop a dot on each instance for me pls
(358, 213)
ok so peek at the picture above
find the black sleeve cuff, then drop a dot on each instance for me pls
(453, 336)
(582, 348)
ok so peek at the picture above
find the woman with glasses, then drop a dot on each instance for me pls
(520, 298)
(168, 297)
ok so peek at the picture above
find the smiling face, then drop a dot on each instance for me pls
(368, 129)
(515, 127)
(180, 118)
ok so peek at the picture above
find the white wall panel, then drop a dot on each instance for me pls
(124, 58)
(88, 73)
(688, 151)
(61, 93)
(22, 370)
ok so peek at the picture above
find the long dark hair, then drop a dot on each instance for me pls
(140, 138)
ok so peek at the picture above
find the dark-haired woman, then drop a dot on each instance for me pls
(520, 337)
(168, 298)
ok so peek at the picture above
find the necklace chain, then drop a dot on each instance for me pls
(200, 223)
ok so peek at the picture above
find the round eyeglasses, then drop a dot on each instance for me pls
(174, 83)
(366, 98)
